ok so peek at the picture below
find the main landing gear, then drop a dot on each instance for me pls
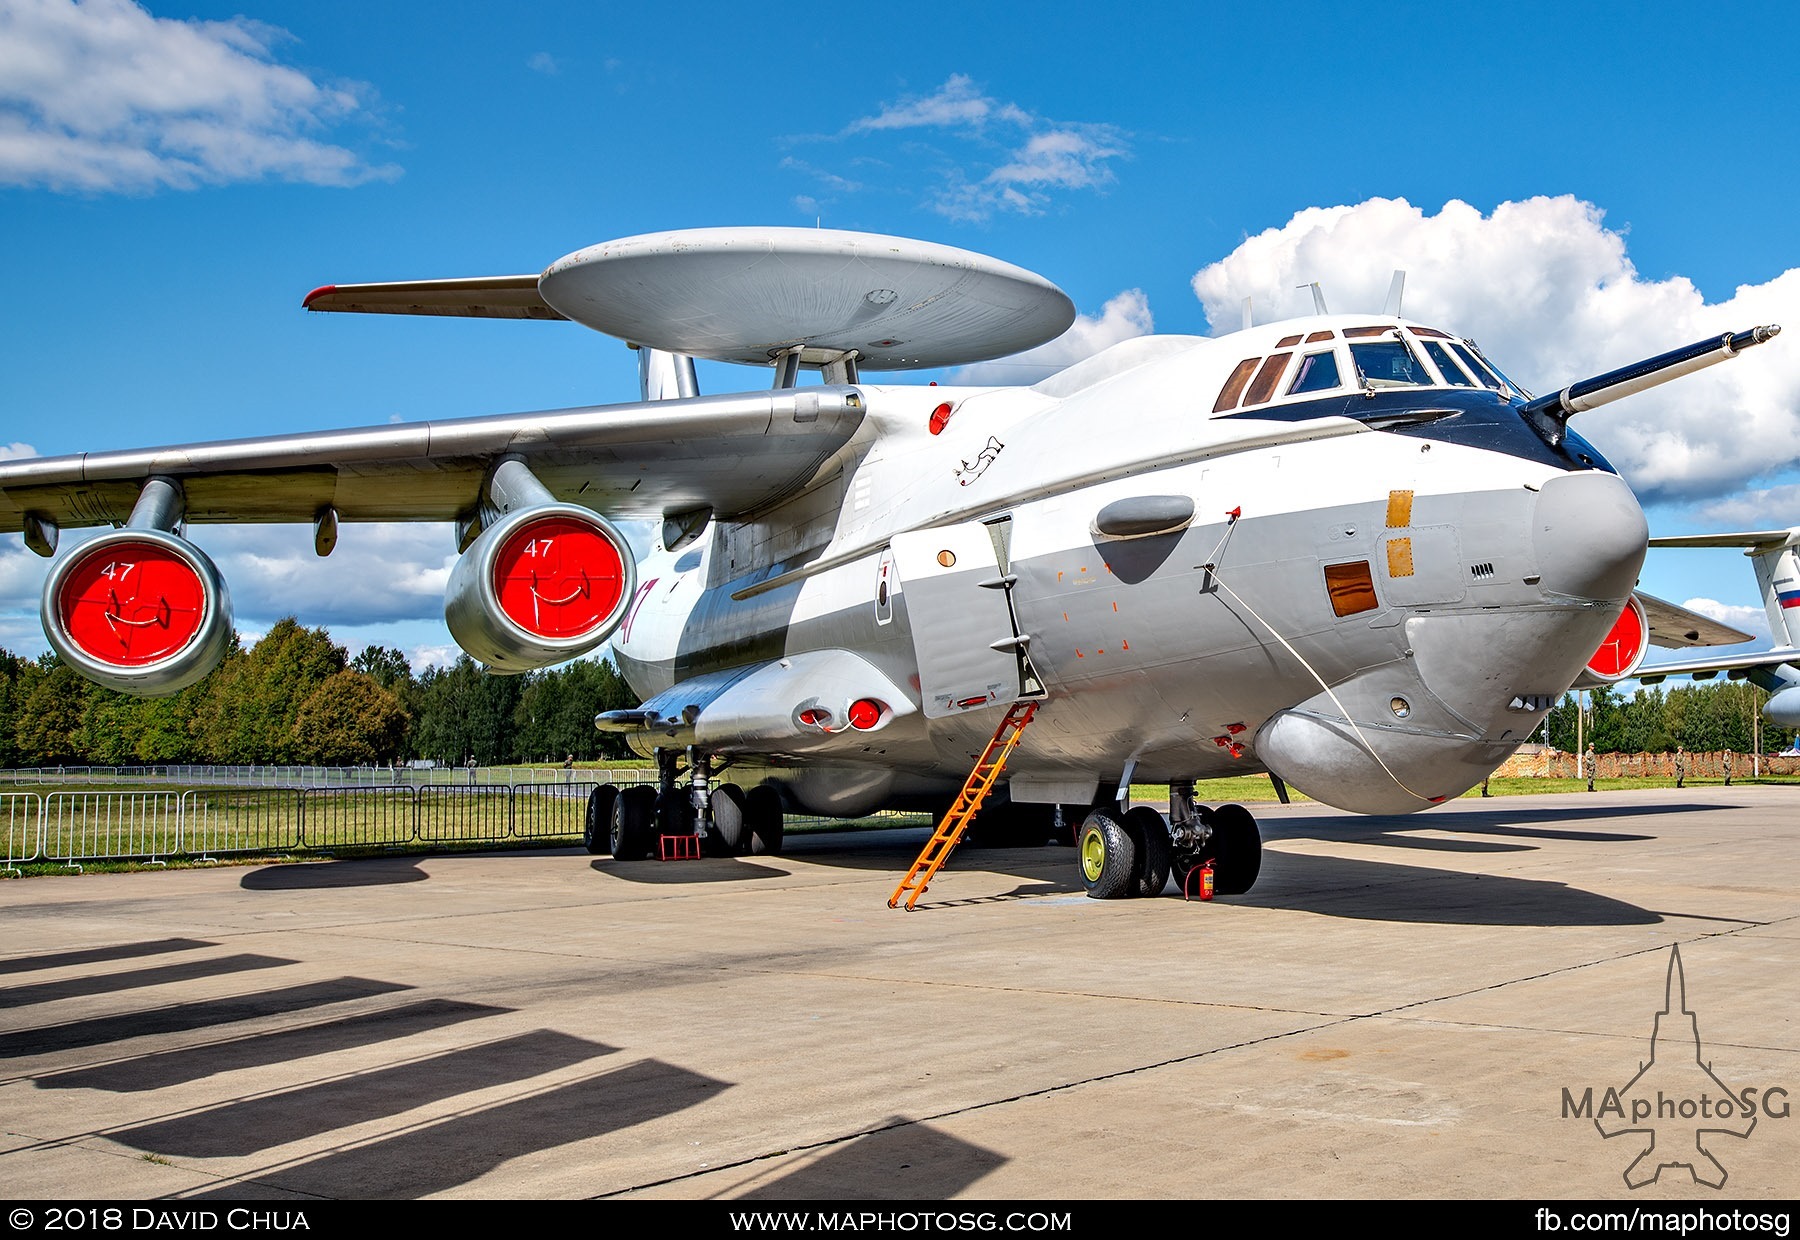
(1137, 851)
(629, 822)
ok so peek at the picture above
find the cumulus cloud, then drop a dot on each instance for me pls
(101, 96)
(1036, 155)
(1551, 295)
(1752, 620)
(16, 451)
(1768, 508)
(1123, 317)
(377, 573)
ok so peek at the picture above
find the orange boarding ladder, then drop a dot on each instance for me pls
(974, 791)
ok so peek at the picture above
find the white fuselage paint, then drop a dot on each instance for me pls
(1150, 660)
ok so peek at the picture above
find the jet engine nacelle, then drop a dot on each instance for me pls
(1783, 710)
(1622, 650)
(138, 610)
(539, 586)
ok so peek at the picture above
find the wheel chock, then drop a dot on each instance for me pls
(680, 848)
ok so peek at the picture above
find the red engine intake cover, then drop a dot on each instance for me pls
(1625, 644)
(129, 604)
(558, 577)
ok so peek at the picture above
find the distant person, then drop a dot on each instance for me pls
(569, 769)
(1680, 765)
(1727, 765)
(471, 770)
(1590, 767)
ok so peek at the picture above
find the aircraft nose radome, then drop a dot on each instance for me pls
(1590, 536)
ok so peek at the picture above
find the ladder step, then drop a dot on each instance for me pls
(963, 809)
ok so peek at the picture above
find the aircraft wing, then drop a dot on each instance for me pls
(644, 459)
(1737, 666)
(1673, 625)
(1751, 540)
(480, 297)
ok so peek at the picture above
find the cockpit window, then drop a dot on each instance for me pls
(1479, 369)
(1388, 363)
(1266, 379)
(1318, 372)
(1234, 386)
(1453, 374)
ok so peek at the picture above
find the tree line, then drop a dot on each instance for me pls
(1703, 718)
(297, 698)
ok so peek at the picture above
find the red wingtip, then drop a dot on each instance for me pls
(318, 292)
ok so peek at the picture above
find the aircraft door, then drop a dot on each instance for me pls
(958, 599)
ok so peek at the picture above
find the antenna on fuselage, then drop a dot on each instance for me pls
(1318, 297)
(1395, 290)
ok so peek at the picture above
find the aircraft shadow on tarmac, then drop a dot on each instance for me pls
(318, 875)
(902, 1160)
(1360, 888)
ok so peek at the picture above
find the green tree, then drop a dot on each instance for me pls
(385, 665)
(555, 715)
(47, 722)
(249, 710)
(12, 672)
(348, 720)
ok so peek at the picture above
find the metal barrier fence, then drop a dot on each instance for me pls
(72, 827)
(22, 812)
(324, 776)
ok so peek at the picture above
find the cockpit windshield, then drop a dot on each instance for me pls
(1389, 363)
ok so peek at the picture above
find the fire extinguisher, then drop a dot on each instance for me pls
(1206, 881)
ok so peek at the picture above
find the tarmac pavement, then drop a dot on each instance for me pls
(1397, 1010)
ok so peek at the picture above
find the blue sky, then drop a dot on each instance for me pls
(1575, 186)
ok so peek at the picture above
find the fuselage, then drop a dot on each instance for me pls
(1327, 548)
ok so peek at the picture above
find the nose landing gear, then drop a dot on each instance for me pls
(1136, 852)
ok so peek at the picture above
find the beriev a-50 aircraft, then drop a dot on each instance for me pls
(1345, 549)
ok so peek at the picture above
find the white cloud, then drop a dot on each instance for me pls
(1125, 316)
(545, 63)
(956, 102)
(16, 451)
(1552, 297)
(1771, 508)
(377, 573)
(102, 96)
(422, 657)
(1752, 620)
(1045, 155)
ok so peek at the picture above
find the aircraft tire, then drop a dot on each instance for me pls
(674, 813)
(763, 815)
(1149, 833)
(1238, 850)
(1107, 856)
(634, 823)
(731, 831)
(596, 828)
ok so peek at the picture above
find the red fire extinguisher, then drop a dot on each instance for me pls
(1206, 881)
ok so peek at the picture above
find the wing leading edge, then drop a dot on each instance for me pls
(729, 453)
